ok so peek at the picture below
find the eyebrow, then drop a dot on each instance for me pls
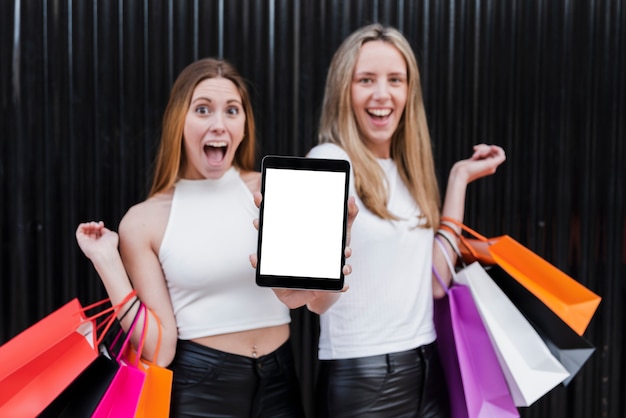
(397, 73)
(208, 99)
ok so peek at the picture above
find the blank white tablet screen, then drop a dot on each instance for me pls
(302, 223)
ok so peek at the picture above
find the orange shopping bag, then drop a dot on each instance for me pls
(571, 301)
(157, 389)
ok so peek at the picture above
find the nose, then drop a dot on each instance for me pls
(217, 122)
(381, 91)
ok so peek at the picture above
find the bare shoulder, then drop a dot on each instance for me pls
(146, 221)
(252, 180)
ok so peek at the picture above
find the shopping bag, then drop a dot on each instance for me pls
(476, 384)
(40, 362)
(121, 398)
(154, 401)
(82, 396)
(37, 364)
(571, 301)
(569, 348)
(530, 368)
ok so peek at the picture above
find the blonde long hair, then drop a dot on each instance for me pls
(410, 146)
(170, 159)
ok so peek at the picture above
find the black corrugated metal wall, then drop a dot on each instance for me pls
(84, 83)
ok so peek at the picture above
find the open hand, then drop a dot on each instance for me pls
(94, 238)
(483, 162)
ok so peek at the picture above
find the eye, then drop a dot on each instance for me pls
(233, 110)
(365, 80)
(396, 80)
(203, 110)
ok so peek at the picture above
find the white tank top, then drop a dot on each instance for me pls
(204, 256)
(388, 307)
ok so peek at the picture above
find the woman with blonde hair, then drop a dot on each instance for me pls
(377, 342)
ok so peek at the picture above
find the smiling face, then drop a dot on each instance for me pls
(379, 93)
(214, 128)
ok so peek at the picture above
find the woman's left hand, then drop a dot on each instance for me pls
(483, 162)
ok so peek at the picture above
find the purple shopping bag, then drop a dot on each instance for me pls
(476, 383)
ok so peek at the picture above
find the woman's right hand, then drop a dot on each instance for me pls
(95, 240)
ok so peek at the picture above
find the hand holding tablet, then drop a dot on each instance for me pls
(302, 223)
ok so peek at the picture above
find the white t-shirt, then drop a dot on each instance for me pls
(389, 305)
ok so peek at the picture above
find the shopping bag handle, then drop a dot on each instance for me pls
(128, 333)
(126, 343)
(440, 280)
(109, 314)
(447, 220)
(144, 332)
(104, 327)
(160, 335)
(110, 311)
(157, 349)
(103, 312)
(449, 224)
(445, 234)
(448, 262)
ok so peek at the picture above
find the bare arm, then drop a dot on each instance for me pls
(100, 245)
(483, 162)
(140, 235)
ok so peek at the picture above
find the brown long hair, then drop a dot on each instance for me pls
(170, 158)
(410, 146)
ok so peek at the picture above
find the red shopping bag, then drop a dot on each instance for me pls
(37, 364)
(83, 395)
(40, 362)
(569, 299)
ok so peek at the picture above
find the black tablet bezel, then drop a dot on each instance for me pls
(310, 164)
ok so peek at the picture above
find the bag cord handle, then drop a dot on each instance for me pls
(447, 220)
(445, 234)
(450, 223)
(448, 261)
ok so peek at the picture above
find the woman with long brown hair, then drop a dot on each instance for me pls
(185, 251)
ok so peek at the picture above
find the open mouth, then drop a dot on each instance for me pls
(379, 113)
(215, 151)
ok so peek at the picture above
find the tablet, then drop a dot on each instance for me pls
(302, 223)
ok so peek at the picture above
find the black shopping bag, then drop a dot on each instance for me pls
(571, 349)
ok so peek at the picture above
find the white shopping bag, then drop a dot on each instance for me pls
(529, 367)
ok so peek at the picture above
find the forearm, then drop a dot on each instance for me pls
(453, 207)
(117, 285)
(454, 199)
(109, 266)
(113, 275)
(323, 302)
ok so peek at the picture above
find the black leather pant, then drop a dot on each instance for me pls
(406, 384)
(212, 383)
